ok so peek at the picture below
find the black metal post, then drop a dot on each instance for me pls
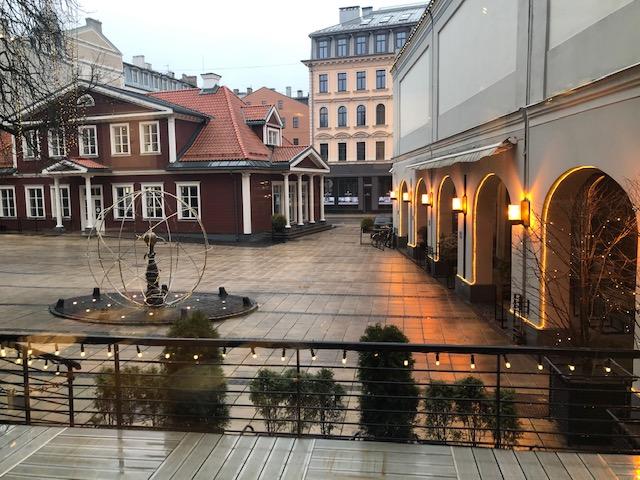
(70, 395)
(498, 430)
(298, 416)
(118, 384)
(25, 385)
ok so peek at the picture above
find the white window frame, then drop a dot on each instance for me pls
(54, 199)
(80, 143)
(62, 150)
(278, 137)
(27, 200)
(36, 147)
(85, 100)
(113, 139)
(116, 201)
(179, 185)
(144, 187)
(3, 208)
(143, 151)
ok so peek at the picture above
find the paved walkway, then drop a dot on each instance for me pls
(322, 287)
(68, 453)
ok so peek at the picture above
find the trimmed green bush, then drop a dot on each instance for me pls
(510, 428)
(439, 406)
(389, 400)
(366, 224)
(472, 408)
(278, 222)
(269, 396)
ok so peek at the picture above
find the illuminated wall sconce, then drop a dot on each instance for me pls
(405, 197)
(459, 205)
(519, 214)
(393, 195)
(427, 199)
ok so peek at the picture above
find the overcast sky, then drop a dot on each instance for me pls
(250, 43)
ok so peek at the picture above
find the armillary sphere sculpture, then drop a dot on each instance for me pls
(147, 260)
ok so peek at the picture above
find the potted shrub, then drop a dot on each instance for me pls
(389, 400)
(278, 223)
(366, 224)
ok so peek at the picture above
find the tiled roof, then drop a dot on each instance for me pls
(226, 136)
(88, 163)
(287, 153)
(256, 113)
(383, 17)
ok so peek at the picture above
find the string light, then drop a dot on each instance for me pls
(507, 363)
(46, 364)
(284, 353)
(437, 359)
(196, 356)
(57, 350)
(29, 349)
(82, 352)
(109, 352)
(405, 362)
(344, 357)
(18, 357)
(473, 362)
(167, 355)
(607, 366)
(224, 352)
(58, 370)
(139, 353)
(29, 361)
(572, 366)
(253, 353)
(540, 366)
(313, 355)
(3, 351)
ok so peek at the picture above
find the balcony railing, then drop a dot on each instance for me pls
(509, 397)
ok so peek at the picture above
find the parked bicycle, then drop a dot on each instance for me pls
(382, 238)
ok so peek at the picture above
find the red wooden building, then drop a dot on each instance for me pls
(225, 159)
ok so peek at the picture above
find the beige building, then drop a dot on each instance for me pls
(351, 103)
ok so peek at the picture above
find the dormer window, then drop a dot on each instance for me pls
(86, 100)
(273, 137)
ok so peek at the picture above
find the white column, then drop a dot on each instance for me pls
(91, 216)
(300, 215)
(56, 193)
(285, 201)
(312, 200)
(171, 127)
(246, 203)
(322, 198)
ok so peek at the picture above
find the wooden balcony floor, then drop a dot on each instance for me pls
(74, 453)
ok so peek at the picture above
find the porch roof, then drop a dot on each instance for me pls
(75, 166)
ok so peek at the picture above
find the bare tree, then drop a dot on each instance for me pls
(37, 62)
(588, 277)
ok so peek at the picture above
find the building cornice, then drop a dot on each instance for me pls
(315, 62)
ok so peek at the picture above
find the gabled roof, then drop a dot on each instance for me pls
(287, 153)
(256, 113)
(75, 165)
(381, 18)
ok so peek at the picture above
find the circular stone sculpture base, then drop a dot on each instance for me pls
(106, 309)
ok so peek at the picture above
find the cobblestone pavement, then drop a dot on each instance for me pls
(322, 287)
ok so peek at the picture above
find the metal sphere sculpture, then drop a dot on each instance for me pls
(142, 225)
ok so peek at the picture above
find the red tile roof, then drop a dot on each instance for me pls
(88, 163)
(287, 153)
(256, 113)
(226, 136)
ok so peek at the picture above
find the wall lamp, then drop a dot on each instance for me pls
(393, 195)
(405, 197)
(519, 214)
(427, 199)
(459, 204)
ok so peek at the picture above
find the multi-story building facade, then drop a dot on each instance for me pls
(293, 112)
(351, 103)
(141, 77)
(507, 115)
(223, 158)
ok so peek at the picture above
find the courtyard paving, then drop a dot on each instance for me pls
(321, 287)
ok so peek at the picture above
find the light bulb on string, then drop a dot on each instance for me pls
(138, 352)
(437, 359)
(82, 352)
(473, 362)
(283, 357)
(344, 357)
(253, 353)
(109, 352)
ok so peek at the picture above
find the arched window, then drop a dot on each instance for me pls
(342, 116)
(85, 100)
(361, 115)
(380, 113)
(324, 117)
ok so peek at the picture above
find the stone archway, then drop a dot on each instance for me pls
(447, 224)
(491, 268)
(420, 215)
(588, 267)
(403, 195)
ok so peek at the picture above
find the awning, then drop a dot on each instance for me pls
(467, 156)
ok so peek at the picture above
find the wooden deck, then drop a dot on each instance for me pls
(73, 453)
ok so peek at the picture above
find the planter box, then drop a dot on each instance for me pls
(581, 403)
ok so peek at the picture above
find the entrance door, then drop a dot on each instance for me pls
(305, 201)
(367, 194)
(98, 206)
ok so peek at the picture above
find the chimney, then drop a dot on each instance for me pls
(210, 81)
(147, 65)
(190, 79)
(138, 60)
(367, 11)
(288, 91)
(349, 13)
(93, 23)
(300, 94)
(249, 90)
(236, 91)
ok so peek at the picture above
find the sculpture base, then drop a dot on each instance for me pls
(111, 309)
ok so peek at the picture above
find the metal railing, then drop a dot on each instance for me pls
(505, 397)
